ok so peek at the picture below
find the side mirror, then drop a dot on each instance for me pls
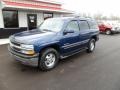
(68, 31)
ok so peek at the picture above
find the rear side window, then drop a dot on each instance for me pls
(83, 25)
(73, 25)
(93, 24)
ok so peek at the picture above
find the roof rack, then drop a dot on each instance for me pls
(83, 17)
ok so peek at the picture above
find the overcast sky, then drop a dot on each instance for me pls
(106, 7)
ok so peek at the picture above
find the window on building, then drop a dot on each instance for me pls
(73, 25)
(10, 19)
(84, 25)
(47, 15)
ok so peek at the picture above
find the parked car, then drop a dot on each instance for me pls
(54, 39)
(108, 28)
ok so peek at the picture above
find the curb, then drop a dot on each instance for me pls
(4, 41)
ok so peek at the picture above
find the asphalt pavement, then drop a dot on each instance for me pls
(99, 70)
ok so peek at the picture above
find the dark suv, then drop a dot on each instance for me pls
(54, 39)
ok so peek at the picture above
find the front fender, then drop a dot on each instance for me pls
(38, 48)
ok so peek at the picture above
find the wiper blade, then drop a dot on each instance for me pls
(47, 30)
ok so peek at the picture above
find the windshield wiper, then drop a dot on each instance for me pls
(47, 30)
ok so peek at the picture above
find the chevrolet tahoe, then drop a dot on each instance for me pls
(53, 40)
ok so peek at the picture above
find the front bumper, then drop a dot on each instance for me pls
(24, 59)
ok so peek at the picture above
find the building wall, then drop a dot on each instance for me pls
(22, 18)
(23, 23)
(22, 15)
(39, 18)
(1, 19)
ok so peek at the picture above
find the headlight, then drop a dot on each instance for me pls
(29, 52)
(27, 47)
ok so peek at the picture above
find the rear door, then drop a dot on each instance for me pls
(84, 32)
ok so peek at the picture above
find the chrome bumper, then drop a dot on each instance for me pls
(24, 59)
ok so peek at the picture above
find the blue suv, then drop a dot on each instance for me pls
(54, 39)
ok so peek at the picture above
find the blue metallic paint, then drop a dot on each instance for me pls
(71, 42)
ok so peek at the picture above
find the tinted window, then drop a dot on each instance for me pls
(10, 19)
(73, 25)
(84, 25)
(93, 24)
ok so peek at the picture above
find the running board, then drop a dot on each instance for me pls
(63, 57)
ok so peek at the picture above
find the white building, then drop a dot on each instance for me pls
(21, 15)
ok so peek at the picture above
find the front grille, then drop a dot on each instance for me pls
(15, 46)
(15, 43)
(16, 49)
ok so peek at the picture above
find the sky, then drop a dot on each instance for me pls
(105, 7)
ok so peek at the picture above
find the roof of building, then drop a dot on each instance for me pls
(48, 1)
(42, 5)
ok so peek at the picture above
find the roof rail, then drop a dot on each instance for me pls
(83, 17)
(77, 16)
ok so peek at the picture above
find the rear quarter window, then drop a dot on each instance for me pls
(93, 24)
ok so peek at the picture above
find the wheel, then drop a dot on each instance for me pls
(91, 46)
(48, 59)
(108, 32)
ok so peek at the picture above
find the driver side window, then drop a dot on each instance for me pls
(73, 25)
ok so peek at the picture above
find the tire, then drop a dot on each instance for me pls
(48, 59)
(108, 32)
(91, 46)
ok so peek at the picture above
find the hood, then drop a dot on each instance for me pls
(30, 37)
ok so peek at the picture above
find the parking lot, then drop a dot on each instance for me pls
(96, 71)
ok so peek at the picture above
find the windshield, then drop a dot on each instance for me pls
(51, 24)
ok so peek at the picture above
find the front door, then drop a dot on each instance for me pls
(32, 21)
(70, 41)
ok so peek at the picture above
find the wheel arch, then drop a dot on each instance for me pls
(94, 37)
(108, 29)
(54, 46)
(42, 52)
